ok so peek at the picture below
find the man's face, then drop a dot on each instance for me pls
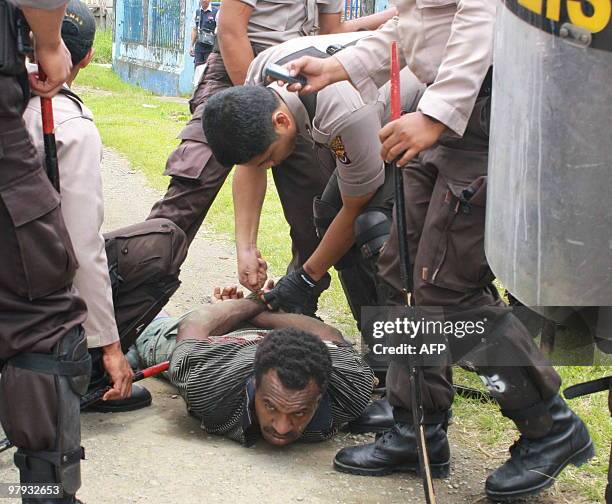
(204, 4)
(283, 146)
(282, 413)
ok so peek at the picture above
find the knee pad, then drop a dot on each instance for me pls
(372, 229)
(70, 365)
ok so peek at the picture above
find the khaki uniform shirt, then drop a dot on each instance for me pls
(275, 21)
(446, 43)
(343, 121)
(79, 151)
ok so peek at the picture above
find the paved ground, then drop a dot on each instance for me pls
(160, 455)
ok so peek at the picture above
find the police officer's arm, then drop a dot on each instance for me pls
(233, 40)
(360, 173)
(332, 23)
(45, 20)
(249, 190)
(339, 237)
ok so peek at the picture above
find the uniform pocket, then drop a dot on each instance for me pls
(456, 229)
(271, 15)
(46, 256)
(188, 160)
(146, 252)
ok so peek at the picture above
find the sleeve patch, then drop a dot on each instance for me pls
(337, 147)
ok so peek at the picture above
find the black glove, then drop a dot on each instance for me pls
(297, 292)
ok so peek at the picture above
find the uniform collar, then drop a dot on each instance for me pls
(297, 109)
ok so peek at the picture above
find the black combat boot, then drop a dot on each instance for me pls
(535, 463)
(396, 451)
(377, 417)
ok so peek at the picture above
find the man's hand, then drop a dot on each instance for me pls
(252, 269)
(51, 53)
(319, 73)
(407, 136)
(56, 63)
(226, 293)
(118, 370)
(192, 51)
(296, 292)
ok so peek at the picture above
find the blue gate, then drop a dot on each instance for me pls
(167, 23)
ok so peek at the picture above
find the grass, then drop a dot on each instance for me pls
(143, 128)
(103, 44)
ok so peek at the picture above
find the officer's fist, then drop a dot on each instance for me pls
(405, 137)
(57, 65)
(252, 269)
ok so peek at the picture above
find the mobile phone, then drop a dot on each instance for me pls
(277, 72)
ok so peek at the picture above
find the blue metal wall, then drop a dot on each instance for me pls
(151, 46)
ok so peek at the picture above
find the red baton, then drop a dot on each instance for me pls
(51, 164)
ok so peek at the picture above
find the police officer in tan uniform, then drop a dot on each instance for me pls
(245, 28)
(43, 352)
(339, 122)
(444, 149)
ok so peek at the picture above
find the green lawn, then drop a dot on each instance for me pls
(143, 128)
(103, 46)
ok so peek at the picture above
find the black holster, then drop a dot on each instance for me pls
(14, 33)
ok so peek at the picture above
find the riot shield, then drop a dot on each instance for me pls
(549, 216)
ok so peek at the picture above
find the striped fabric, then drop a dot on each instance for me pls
(212, 375)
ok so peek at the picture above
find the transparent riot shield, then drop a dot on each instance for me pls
(549, 216)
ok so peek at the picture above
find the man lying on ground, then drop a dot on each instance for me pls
(246, 372)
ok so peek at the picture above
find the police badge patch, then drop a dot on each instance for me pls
(338, 149)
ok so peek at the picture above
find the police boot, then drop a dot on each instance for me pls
(377, 417)
(535, 463)
(396, 451)
(36, 470)
(139, 398)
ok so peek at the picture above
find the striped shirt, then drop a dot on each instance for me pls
(214, 377)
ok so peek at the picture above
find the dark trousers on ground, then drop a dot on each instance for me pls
(197, 177)
(38, 308)
(445, 227)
